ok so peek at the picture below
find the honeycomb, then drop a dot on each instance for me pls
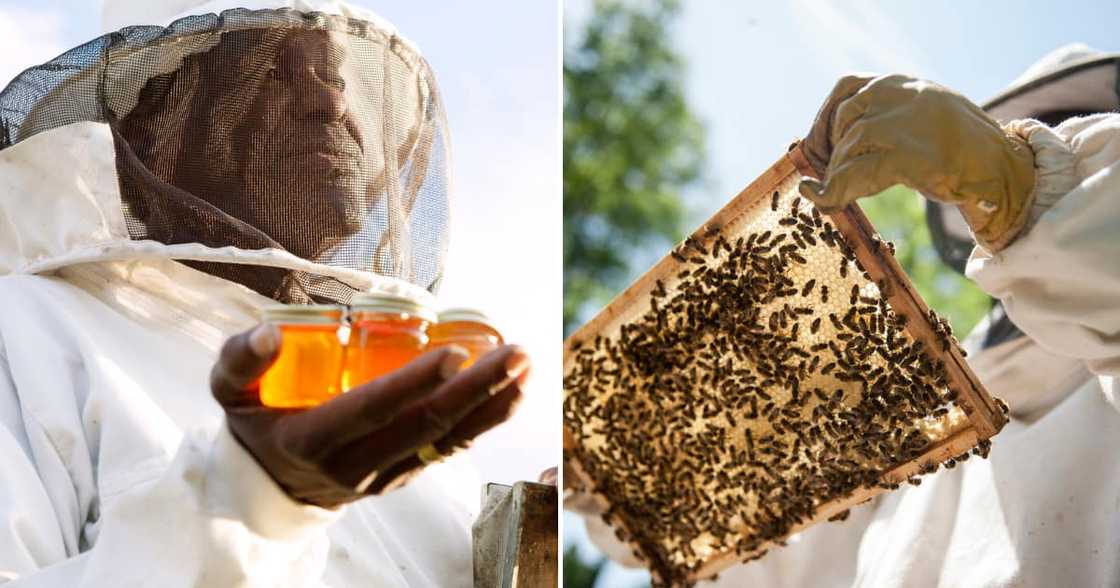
(773, 370)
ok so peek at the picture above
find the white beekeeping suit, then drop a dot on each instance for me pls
(120, 279)
(1044, 509)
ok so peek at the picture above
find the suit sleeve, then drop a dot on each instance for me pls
(1060, 280)
(211, 518)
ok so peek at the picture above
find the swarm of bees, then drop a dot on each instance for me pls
(750, 393)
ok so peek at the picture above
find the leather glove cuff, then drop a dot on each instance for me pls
(1054, 165)
(1055, 177)
(996, 223)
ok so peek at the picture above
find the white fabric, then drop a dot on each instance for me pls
(117, 14)
(165, 58)
(1044, 509)
(60, 204)
(117, 467)
(1055, 61)
(118, 470)
(1081, 87)
(1060, 282)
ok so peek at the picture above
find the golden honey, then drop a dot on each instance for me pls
(308, 370)
(467, 328)
(387, 332)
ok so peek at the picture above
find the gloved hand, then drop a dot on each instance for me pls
(367, 440)
(875, 132)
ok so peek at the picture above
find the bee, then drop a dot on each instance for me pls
(691, 242)
(774, 201)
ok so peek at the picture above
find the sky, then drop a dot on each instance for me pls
(497, 65)
(758, 72)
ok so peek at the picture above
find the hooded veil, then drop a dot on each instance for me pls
(301, 153)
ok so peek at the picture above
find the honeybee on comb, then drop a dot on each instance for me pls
(730, 413)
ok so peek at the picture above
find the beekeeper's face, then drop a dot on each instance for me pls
(286, 130)
(307, 165)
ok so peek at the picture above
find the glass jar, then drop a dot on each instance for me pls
(386, 332)
(308, 369)
(467, 328)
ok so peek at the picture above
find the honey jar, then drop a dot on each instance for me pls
(387, 331)
(467, 328)
(308, 369)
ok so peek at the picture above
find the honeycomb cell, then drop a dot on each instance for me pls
(765, 377)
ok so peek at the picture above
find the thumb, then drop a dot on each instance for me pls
(243, 359)
(865, 175)
(818, 145)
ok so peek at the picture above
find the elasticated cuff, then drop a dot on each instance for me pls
(1054, 166)
(238, 488)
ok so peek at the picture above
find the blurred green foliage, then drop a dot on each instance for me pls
(578, 573)
(899, 215)
(630, 146)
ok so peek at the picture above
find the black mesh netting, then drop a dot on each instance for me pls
(317, 134)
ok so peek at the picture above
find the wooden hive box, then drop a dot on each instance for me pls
(770, 372)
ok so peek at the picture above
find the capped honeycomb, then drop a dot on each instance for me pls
(773, 370)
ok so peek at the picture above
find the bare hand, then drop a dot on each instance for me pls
(364, 441)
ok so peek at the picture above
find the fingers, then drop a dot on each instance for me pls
(429, 420)
(861, 166)
(369, 407)
(852, 180)
(243, 359)
(491, 414)
(818, 145)
(498, 374)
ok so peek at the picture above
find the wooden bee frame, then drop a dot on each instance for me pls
(984, 417)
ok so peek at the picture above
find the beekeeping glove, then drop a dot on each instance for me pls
(875, 132)
(367, 440)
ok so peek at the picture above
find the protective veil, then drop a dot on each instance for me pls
(273, 131)
(159, 185)
(1042, 509)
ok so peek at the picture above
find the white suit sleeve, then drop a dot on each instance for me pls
(796, 564)
(1060, 280)
(213, 518)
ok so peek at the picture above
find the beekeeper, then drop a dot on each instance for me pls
(159, 185)
(1043, 204)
